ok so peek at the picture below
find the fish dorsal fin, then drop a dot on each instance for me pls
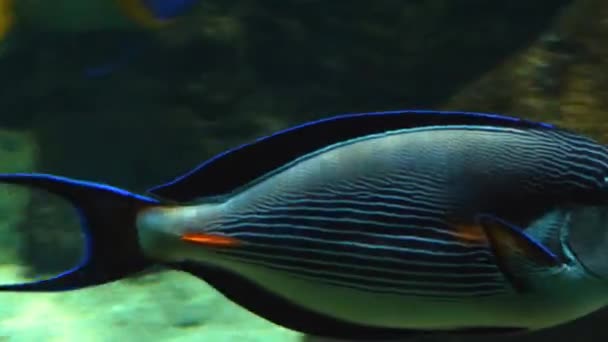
(251, 161)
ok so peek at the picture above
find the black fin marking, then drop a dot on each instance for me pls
(515, 251)
(108, 219)
(280, 311)
(255, 159)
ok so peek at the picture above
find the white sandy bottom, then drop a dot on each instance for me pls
(169, 306)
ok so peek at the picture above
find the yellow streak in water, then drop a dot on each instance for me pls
(7, 17)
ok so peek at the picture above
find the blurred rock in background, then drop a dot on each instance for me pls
(561, 77)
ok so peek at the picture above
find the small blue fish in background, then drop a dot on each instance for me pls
(150, 14)
(370, 226)
(157, 13)
(169, 9)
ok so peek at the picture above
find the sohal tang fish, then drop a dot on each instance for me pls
(367, 226)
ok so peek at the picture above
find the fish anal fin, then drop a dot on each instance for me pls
(283, 312)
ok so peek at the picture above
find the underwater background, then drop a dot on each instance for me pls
(91, 91)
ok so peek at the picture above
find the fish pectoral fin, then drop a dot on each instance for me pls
(517, 254)
(211, 240)
(510, 241)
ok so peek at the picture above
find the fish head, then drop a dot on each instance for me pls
(587, 239)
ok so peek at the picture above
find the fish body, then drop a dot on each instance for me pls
(369, 226)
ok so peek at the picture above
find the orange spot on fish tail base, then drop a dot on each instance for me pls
(471, 233)
(211, 240)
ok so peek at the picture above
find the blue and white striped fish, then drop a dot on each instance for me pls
(367, 226)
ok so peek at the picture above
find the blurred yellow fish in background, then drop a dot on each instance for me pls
(19, 18)
(81, 16)
(155, 13)
(6, 17)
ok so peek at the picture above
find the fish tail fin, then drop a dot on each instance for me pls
(108, 220)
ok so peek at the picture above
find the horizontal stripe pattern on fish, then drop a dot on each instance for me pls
(362, 224)
(386, 227)
(351, 256)
(364, 233)
(566, 159)
(364, 245)
(364, 272)
(446, 289)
